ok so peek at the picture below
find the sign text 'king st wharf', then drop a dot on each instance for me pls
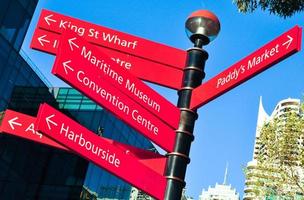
(260, 60)
(110, 38)
(108, 89)
(87, 144)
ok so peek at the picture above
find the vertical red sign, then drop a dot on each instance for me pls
(260, 60)
(99, 151)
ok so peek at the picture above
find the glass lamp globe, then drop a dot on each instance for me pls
(202, 24)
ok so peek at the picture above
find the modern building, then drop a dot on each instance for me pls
(15, 17)
(220, 191)
(32, 171)
(255, 175)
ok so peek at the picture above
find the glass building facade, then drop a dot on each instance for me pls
(15, 16)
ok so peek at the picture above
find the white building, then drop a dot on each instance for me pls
(253, 172)
(220, 192)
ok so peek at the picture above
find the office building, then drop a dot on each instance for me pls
(255, 175)
(15, 17)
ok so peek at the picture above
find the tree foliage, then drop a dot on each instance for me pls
(282, 8)
(280, 158)
(279, 169)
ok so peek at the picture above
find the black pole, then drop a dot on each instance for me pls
(178, 160)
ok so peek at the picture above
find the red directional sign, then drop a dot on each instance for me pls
(21, 125)
(94, 81)
(99, 151)
(110, 38)
(260, 60)
(144, 69)
(119, 77)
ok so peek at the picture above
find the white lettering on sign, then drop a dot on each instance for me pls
(142, 96)
(233, 75)
(114, 39)
(256, 60)
(265, 56)
(31, 128)
(144, 122)
(122, 63)
(105, 68)
(130, 86)
(115, 101)
(91, 32)
(91, 146)
(67, 24)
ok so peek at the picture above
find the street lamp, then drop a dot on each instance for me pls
(201, 27)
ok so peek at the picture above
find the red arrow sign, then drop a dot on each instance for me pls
(147, 70)
(260, 60)
(99, 151)
(87, 78)
(21, 125)
(76, 48)
(110, 38)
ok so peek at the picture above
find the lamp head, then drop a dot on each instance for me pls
(203, 25)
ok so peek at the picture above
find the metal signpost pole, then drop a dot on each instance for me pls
(202, 27)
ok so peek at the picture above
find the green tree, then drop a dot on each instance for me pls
(280, 159)
(282, 8)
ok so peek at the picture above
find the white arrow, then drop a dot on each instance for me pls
(41, 40)
(48, 121)
(288, 42)
(48, 19)
(71, 43)
(65, 66)
(12, 122)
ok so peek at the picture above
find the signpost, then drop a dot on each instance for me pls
(85, 76)
(113, 39)
(160, 74)
(260, 60)
(104, 80)
(99, 151)
(21, 125)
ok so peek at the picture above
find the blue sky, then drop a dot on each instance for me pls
(225, 129)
